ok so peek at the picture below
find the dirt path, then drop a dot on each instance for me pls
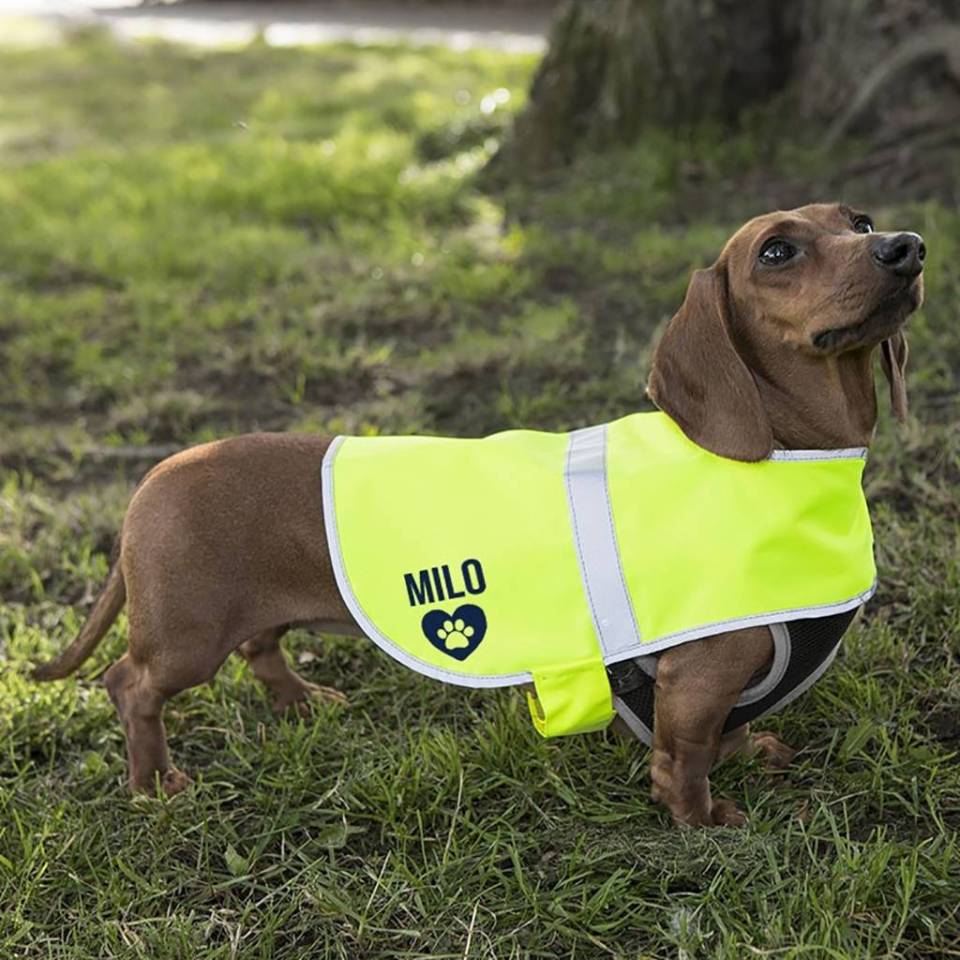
(459, 25)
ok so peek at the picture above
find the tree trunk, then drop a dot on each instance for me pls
(615, 67)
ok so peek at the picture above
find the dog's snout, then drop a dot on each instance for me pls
(901, 253)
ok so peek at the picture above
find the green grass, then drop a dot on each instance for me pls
(196, 244)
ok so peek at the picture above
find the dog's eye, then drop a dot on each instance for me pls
(775, 252)
(862, 225)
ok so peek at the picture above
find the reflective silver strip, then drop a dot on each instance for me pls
(360, 615)
(843, 453)
(804, 686)
(595, 538)
(781, 658)
(739, 623)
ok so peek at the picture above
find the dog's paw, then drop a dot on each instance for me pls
(301, 698)
(774, 751)
(170, 782)
(716, 813)
(455, 634)
(725, 813)
(327, 695)
(174, 781)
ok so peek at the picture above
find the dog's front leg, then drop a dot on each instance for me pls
(698, 684)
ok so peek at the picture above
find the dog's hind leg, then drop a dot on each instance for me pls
(168, 653)
(270, 667)
(140, 705)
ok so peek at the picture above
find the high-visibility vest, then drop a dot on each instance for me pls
(545, 558)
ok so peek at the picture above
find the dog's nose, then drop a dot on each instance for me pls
(901, 253)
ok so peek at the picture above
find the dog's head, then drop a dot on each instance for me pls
(792, 309)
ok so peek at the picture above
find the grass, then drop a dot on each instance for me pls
(196, 244)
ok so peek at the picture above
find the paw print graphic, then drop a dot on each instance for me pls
(455, 634)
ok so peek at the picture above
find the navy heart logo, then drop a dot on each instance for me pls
(456, 634)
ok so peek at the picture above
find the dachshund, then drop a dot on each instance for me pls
(224, 547)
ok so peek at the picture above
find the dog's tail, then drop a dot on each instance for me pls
(105, 610)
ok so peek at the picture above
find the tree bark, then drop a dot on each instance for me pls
(617, 67)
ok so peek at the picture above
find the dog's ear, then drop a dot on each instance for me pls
(700, 380)
(893, 360)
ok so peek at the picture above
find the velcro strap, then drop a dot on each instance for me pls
(572, 698)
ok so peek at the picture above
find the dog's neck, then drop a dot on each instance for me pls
(819, 403)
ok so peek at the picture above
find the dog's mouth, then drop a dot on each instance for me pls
(884, 320)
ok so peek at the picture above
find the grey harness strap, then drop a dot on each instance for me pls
(803, 650)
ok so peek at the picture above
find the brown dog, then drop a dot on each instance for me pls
(223, 546)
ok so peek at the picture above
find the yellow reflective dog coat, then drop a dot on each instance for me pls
(558, 559)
